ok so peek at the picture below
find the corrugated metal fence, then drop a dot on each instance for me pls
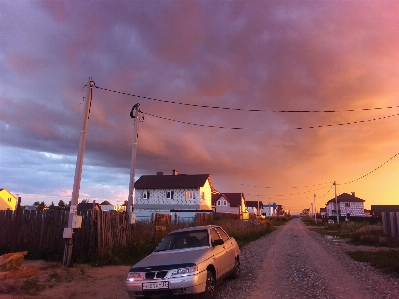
(390, 223)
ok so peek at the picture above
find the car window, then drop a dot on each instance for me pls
(186, 239)
(214, 235)
(222, 234)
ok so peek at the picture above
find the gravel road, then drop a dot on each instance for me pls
(295, 262)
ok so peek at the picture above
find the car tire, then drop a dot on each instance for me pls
(209, 287)
(236, 270)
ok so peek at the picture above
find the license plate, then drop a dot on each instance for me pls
(155, 285)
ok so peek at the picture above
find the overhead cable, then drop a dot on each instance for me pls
(242, 109)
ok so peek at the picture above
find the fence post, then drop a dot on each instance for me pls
(394, 229)
(15, 230)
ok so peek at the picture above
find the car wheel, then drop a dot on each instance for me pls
(210, 286)
(236, 269)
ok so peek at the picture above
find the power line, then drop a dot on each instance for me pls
(242, 109)
(259, 129)
(349, 123)
(363, 176)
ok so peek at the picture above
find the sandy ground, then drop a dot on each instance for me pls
(57, 282)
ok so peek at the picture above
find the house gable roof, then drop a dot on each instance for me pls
(233, 198)
(254, 204)
(180, 181)
(345, 197)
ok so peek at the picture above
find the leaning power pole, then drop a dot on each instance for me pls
(135, 114)
(72, 219)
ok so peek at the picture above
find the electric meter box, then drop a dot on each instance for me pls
(67, 234)
(77, 221)
(132, 218)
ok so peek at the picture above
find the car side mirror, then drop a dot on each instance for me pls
(217, 242)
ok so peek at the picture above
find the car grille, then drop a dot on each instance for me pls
(155, 274)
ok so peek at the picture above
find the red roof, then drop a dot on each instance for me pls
(254, 204)
(233, 198)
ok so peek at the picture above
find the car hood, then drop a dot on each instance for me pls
(166, 260)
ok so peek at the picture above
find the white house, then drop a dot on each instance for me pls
(348, 205)
(233, 203)
(254, 207)
(7, 200)
(176, 194)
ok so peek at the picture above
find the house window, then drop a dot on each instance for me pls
(347, 204)
(202, 195)
(146, 194)
(190, 195)
(218, 203)
(224, 203)
(169, 194)
(9, 199)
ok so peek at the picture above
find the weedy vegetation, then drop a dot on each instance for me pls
(146, 239)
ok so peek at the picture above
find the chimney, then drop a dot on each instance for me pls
(353, 193)
(159, 173)
(175, 172)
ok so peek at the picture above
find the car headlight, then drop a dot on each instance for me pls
(132, 276)
(184, 271)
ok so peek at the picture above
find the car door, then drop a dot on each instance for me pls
(221, 259)
(229, 246)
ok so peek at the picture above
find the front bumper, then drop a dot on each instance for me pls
(191, 284)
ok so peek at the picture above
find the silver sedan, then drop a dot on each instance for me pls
(187, 261)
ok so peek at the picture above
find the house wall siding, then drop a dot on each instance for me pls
(353, 208)
(228, 209)
(7, 200)
(158, 200)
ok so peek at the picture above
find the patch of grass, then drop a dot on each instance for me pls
(386, 261)
(32, 286)
(310, 221)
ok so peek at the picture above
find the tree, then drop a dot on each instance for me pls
(105, 202)
(36, 203)
(52, 206)
(124, 203)
(41, 206)
(85, 201)
(61, 204)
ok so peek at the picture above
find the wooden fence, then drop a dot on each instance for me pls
(40, 232)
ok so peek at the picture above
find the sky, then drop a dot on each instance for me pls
(255, 60)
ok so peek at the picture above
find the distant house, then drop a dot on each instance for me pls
(254, 207)
(233, 203)
(323, 212)
(7, 200)
(269, 210)
(175, 193)
(348, 205)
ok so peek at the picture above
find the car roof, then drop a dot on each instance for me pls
(192, 228)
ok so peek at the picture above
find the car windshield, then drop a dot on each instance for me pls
(186, 239)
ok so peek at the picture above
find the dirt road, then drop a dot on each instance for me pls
(294, 262)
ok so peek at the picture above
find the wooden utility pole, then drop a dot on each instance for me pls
(315, 210)
(68, 231)
(135, 114)
(336, 201)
